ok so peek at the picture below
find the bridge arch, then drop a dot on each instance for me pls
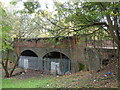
(28, 53)
(58, 62)
(56, 55)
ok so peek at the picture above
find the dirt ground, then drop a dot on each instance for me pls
(105, 78)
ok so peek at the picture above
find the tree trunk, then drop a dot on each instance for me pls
(5, 69)
(5, 65)
(14, 66)
(7, 58)
(116, 37)
(119, 63)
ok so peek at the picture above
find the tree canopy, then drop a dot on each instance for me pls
(77, 17)
(68, 19)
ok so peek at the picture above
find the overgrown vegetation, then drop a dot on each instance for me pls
(81, 66)
(77, 80)
(75, 18)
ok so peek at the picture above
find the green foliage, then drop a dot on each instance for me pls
(58, 43)
(2, 12)
(81, 66)
(31, 6)
(75, 18)
(90, 86)
(119, 84)
(13, 3)
(6, 28)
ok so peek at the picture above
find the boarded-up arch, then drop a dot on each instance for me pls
(57, 62)
(29, 59)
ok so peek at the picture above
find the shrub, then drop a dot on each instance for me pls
(81, 66)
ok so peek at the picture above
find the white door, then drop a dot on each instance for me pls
(25, 63)
(58, 68)
(55, 67)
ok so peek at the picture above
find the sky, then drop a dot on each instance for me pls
(43, 3)
(19, 6)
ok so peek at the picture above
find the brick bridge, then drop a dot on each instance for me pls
(67, 47)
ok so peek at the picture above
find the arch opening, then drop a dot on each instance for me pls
(56, 62)
(28, 60)
(55, 55)
(29, 53)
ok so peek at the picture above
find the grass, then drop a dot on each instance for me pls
(27, 83)
(78, 80)
(42, 82)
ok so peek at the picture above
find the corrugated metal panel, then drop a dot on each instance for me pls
(36, 63)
